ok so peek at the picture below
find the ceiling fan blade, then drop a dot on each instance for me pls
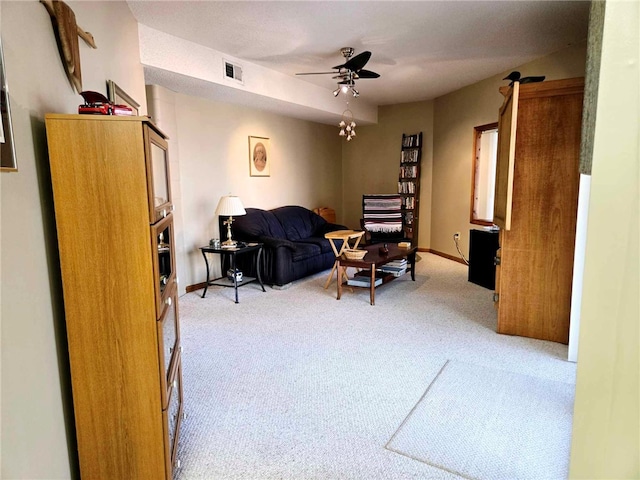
(356, 63)
(367, 74)
(316, 73)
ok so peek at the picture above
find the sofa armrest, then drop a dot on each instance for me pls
(273, 242)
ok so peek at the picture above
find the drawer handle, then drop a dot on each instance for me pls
(170, 350)
(168, 301)
(164, 213)
(178, 463)
(175, 384)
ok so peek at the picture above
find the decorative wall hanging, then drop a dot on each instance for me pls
(259, 165)
(347, 125)
(67, 33)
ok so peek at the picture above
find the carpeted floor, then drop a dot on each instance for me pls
(294, 384)
(483, 422)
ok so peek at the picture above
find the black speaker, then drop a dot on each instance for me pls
(483, 245)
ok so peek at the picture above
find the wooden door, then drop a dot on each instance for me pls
(507, 125)
(537, 251)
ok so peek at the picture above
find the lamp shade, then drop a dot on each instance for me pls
(230, 206)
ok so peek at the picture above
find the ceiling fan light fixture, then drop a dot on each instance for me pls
(352, 69)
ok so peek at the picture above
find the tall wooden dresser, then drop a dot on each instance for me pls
(536, 204)
(114, 219)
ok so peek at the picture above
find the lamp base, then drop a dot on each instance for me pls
(229, 242)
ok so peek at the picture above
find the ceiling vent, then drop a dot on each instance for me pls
(233, 72)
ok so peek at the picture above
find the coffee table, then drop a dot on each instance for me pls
(375, 259)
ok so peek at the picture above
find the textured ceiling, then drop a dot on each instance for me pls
(421, 49)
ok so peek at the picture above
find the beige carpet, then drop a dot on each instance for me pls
(485, 423)
(294, 384)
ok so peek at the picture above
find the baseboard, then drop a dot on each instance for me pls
(442, 254)
(197, 286)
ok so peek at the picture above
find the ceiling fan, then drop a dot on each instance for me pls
(351, 70)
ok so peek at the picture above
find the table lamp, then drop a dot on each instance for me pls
(230, 206)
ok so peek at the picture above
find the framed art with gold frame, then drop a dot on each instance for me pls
(118, 96)
(259, 164)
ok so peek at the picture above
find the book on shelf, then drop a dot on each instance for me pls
(411, 141)
(409, 156)
(362, 281)
(408, 203)
(393, 268)
(406, 187)
(396, 263)
(409, 171)
(393, 271)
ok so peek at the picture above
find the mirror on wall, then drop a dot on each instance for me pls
(483, 176)
(7, 148)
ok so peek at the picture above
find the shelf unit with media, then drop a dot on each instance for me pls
(409, 183)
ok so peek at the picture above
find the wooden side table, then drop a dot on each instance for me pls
(346, 236)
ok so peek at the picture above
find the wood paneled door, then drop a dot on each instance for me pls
(536, 206)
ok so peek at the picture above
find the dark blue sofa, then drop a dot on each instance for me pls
(294, 243)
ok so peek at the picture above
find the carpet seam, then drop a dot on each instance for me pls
(406, 419)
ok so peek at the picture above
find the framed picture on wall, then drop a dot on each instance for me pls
(259, 165)
(7, 148)
(118, 96)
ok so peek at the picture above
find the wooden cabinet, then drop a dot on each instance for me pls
(110, 179)
(409, 184)
(536, 206)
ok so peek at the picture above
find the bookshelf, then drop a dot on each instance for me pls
(409, 183)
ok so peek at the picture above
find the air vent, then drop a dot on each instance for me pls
(233, 71)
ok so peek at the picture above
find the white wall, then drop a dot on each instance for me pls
(606, 422)
(212, 140)
(37, 438)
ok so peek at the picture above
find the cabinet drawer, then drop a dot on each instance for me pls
(168, 341)
(164, 270)
(172, 416)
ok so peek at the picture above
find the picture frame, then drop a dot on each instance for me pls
(8, 160)
(259, 160)
(118, 96)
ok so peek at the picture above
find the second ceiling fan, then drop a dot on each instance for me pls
(348, 72)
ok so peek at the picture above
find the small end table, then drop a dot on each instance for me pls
(254, 248)
(345, 236)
